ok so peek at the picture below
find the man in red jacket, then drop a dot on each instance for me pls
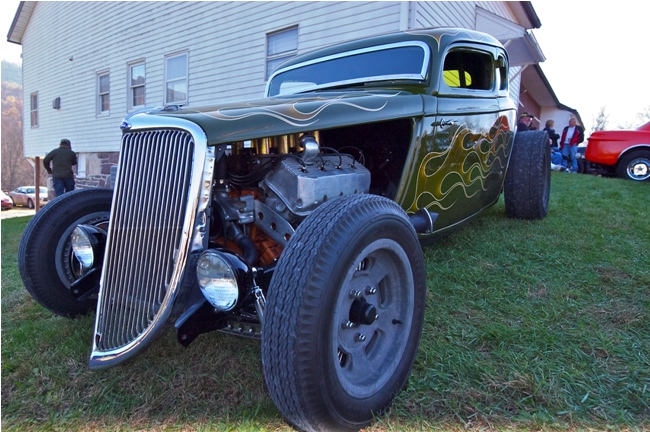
(572, 135)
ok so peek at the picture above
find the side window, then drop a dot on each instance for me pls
(176, 79)
(103, 93)
(469, 69)
(33, 109)
(280, 46)
(136, 85)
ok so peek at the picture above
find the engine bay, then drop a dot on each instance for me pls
(264, 188)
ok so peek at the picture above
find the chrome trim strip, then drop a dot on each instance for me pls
(422, 75)
(192, 238)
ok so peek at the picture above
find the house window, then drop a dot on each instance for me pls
(136, 85)
(33, 109)
(176, 79)
(103, 93)
(280, 46)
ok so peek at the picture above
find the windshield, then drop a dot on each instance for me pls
(400, 61)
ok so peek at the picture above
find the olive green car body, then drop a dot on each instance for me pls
(460, 141)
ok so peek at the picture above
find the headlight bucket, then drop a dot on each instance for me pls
(88, 244)
(222, 277)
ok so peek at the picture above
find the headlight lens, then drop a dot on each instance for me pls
(217, 280)
(82, 246)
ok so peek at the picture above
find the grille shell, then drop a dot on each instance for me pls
(157, 219)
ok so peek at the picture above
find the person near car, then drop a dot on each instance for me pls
(59, 164)
(554, 136)
(556, 154)
(525, 120)
(572, 135)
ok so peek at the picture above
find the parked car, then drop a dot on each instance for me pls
(623, 153)
(7, 203)
(25, 196)
(297, 219)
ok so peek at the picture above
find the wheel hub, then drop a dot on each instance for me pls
(362, 312)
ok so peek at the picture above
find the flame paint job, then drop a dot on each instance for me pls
(300, 113)
(474, 155)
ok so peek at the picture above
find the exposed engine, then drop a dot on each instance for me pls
(264, 188)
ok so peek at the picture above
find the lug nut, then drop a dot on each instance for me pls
(371, 290)
(347, 324)
(360, 337)
(355, 294)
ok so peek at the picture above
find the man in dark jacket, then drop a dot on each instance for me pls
(525, 120)
(62, 160)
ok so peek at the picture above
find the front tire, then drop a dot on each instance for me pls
(30, 203)
(528, 180)
(45, 259)
(635, 166)
(344, 314)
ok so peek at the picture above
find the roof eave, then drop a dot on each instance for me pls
(526, 15)
(19, 24)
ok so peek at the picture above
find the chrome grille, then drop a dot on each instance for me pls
(146, 245)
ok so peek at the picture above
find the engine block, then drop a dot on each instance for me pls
(295, 189)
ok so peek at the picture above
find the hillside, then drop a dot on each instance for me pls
(11, 72)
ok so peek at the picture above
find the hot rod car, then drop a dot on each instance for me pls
(297, 218)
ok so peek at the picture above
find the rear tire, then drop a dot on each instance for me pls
(528, 180)
(30, 203)
(45, 259)
(326, 366)
(635, 166)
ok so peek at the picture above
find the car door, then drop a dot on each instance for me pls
(464, 158)
(19, 197)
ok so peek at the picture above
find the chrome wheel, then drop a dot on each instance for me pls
(635, 166)
(639, 169)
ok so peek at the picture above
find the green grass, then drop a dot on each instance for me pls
(530, 326)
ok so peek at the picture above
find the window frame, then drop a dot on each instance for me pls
(33, 110)
(283, 55)
(421, 75)
(131, 87)
(185, 78)
(103, 96)
(445, 89)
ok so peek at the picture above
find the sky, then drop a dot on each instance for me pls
(596, 55)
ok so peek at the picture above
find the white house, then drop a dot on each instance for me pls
(87, 64)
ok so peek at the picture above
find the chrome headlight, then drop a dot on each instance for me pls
(88, 245)
(220, 276)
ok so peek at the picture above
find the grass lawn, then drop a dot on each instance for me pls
(539, 325)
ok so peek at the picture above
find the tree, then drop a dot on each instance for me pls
(16, 170)
(644, 116)
(601, 121)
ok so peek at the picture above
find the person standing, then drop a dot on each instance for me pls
(524, 123)
(61, 160)
(556, 155)
(572, 135)
(554, 136)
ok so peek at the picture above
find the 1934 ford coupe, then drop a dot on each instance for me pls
(297, 218)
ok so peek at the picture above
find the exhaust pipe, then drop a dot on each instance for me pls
(423, 220)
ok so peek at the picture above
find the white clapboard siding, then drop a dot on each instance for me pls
(66, 44)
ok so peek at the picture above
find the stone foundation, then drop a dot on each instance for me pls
(98, 170)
